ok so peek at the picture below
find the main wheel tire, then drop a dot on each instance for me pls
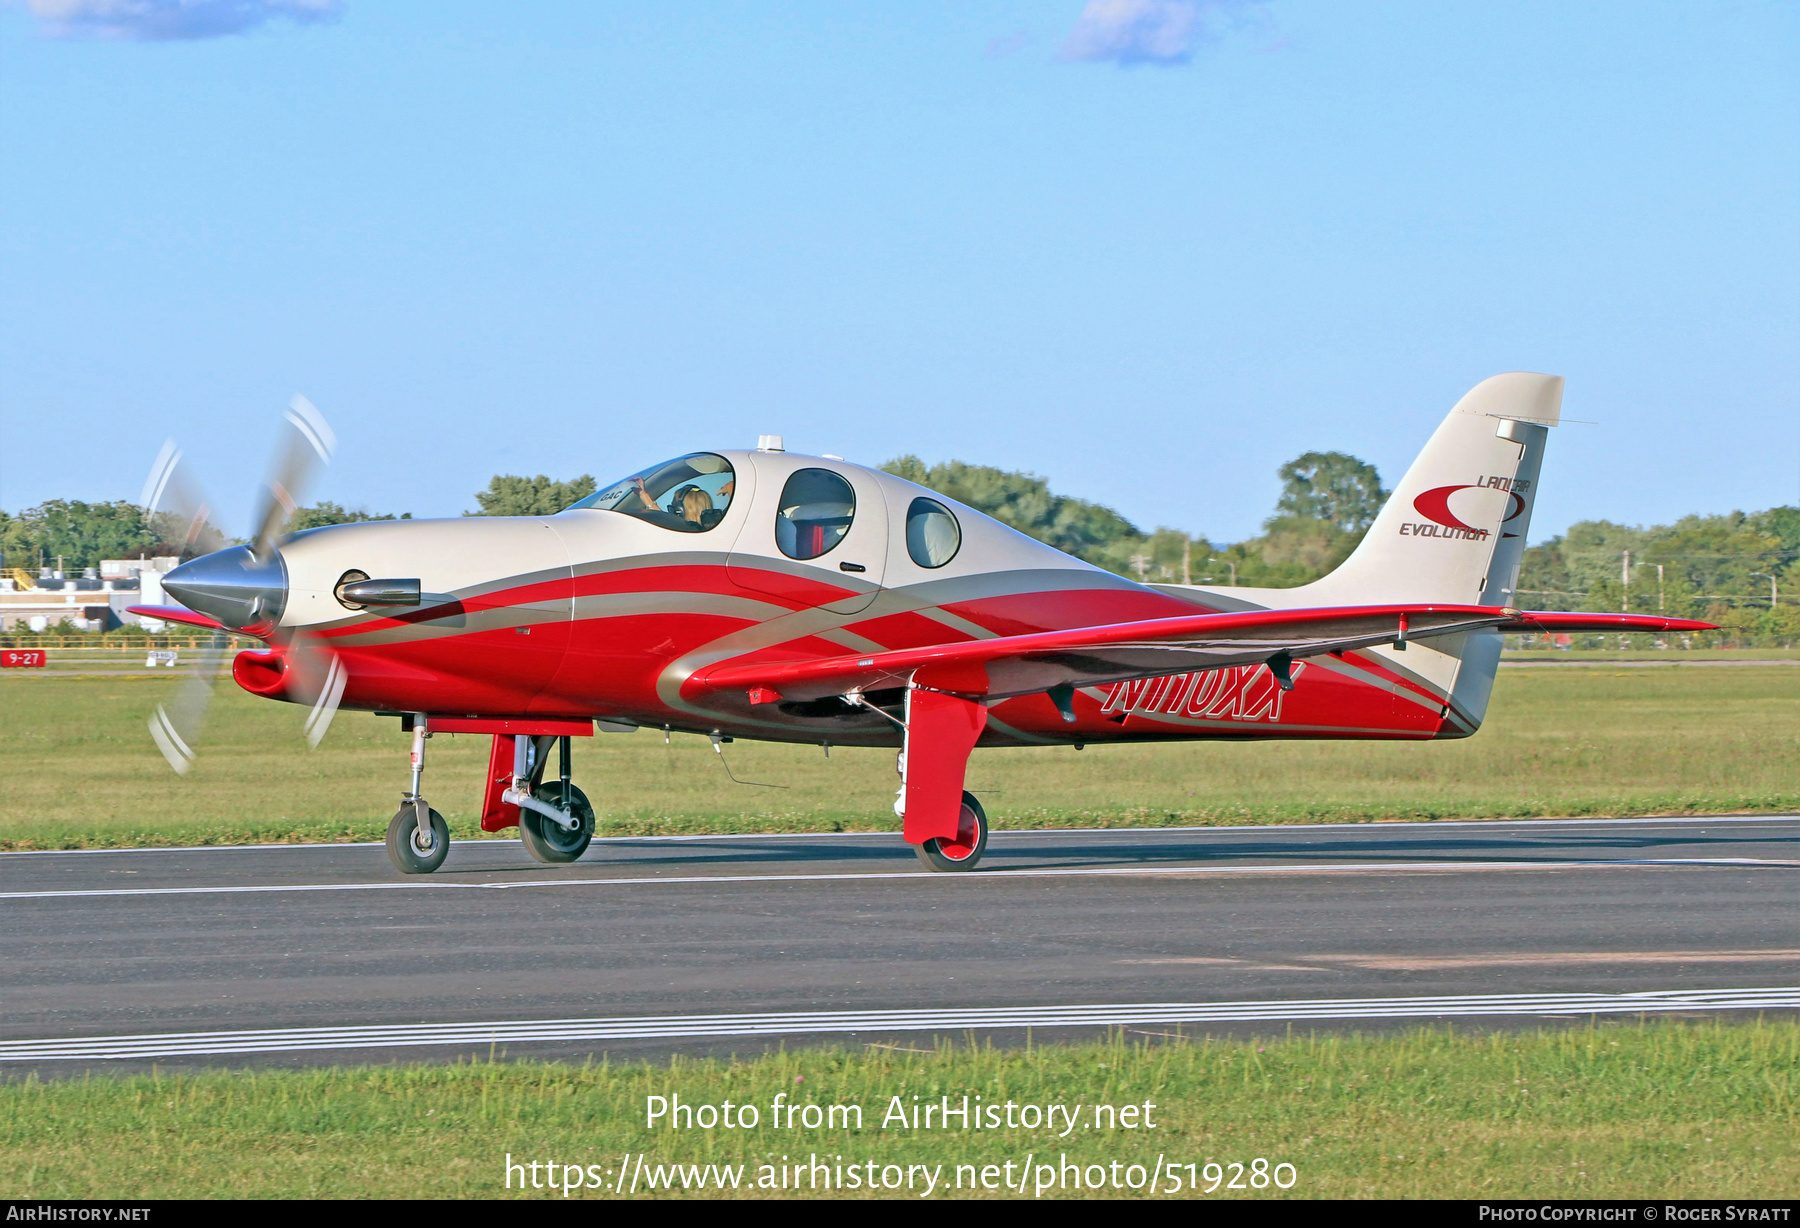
(547, 840)
(404, 849)
(943, 853)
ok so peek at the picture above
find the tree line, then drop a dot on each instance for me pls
(1739, 569)
(74, 535)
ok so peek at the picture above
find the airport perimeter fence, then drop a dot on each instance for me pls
(106, 646)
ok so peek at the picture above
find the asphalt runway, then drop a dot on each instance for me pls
(647, 946)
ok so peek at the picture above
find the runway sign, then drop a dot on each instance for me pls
(23, 658)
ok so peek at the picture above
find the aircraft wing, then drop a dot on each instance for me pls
(1090, 656)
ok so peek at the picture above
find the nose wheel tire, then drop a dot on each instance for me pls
(547, 840)
(409, 854)
(943, 853)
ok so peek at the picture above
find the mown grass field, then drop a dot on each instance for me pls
(81, 770)
(1656, 1110)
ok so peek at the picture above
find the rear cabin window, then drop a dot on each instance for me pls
(817, 507)
(932, 535)
(688, 494)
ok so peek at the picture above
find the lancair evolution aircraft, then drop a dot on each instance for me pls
(763, 594)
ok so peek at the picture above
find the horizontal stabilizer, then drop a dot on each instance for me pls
(1541, 621)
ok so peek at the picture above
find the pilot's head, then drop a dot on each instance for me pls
(691, 503)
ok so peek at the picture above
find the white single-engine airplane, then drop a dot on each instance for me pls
(762, 594)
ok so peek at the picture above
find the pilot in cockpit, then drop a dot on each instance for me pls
(689, 494)
(690, 503)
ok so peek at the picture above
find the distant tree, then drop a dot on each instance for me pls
(1089, 531)
(1782, 523)
(176, 535)
(82, 534)
(1716, 554)
(1702, 559)
(1328, 500)
(510, 495)
(1591, 554)
(18, 548)
(1305, 547)
(321, 514)
(1782, 625)
(1544, 582)
(1177, 557)
(1334, 487)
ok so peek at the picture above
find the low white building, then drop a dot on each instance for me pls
(92, 603)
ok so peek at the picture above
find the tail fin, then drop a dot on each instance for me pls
(1454, 531)
(1454, 528)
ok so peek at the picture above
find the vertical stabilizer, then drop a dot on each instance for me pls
(1454, 531)
(1454, 528)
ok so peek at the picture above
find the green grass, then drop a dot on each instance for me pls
(80, 769)
(1664, 1110)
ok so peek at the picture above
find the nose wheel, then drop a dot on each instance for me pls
(943, 853)
(416, 848)
(418, 839)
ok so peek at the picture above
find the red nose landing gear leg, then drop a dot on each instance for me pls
(418, 839)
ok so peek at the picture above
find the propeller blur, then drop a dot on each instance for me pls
(241, 588)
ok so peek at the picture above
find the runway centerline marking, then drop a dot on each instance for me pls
(991, 876)
(681, 1027)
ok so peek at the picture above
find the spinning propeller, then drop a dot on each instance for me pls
(243, 587)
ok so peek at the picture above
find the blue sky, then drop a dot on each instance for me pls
(1147, 248)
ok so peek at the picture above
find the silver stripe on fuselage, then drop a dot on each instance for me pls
(772, 624)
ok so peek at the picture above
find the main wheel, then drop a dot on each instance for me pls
(943, 853)
(547, 840)
(407, 852)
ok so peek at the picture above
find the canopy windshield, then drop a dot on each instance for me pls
(688, 494)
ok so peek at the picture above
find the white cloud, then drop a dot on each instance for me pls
(149, 20)
(1153, 31)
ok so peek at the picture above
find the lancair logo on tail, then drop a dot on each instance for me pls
(1434, 505)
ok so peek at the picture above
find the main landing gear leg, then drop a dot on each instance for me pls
(555, 820)
(942, 821)
(418, 839)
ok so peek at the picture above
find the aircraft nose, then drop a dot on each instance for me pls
(234, 586)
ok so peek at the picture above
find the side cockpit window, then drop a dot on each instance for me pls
(816, 509)
(688, 494)
(932, 535)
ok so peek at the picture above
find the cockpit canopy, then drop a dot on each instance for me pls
(688, 494)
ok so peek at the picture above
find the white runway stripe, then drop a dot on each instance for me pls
(1651, 823)
(678, 1027)
(991, 876)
